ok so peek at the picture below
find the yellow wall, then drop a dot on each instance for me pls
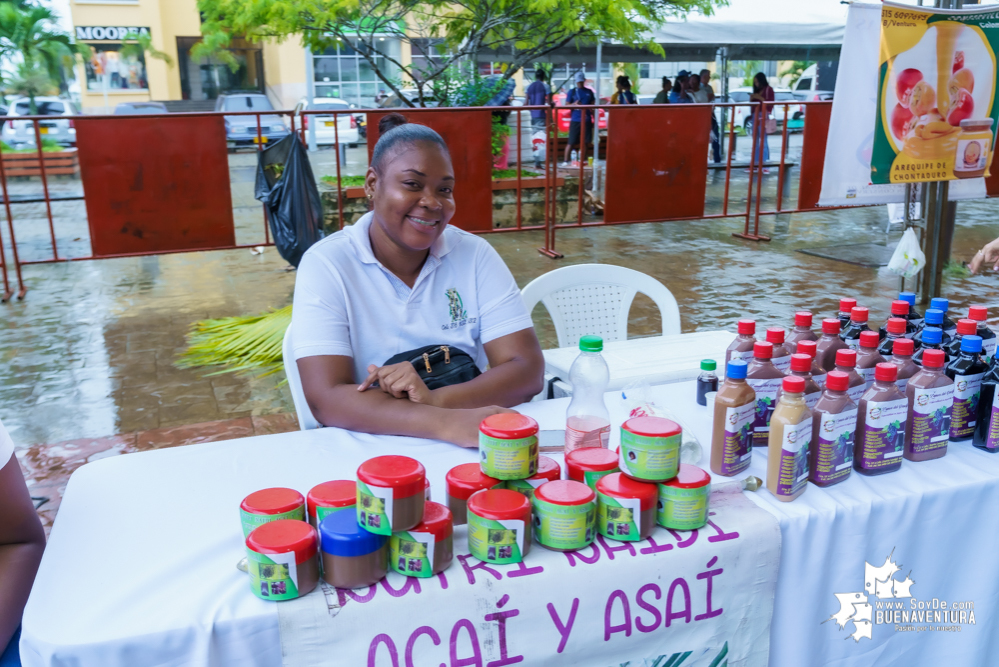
(284, 72)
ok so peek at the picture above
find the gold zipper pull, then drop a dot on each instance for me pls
(447, 354)
(426, 360)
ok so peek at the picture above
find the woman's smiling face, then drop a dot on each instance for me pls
(413, 194)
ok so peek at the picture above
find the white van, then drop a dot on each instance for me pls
(806, 88)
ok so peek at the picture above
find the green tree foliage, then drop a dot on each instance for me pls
(439, 33)
(749, 70)
(795, 69)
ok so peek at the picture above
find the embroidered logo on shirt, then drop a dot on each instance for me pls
(459, 316)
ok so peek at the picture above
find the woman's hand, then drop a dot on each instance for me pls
(989, 254)
(462, 427)
(400, 381)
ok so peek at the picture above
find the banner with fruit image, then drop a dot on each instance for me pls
(937, 115)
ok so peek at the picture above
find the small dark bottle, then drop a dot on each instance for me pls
(914, 316)
(846, 307)
(707, 381)
(964, 328)
(967, 371)
(934, 318)
(899, 310)
(896, 329)
(980, 314)
(949, 326)
(931, 337)
(858, 325)
(986, 436)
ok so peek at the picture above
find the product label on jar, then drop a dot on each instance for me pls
(508, 459)
(591, 477)
(618, 518)
(811, 399)
(649, 458)
(868, 375)
(884, 434)
(972, 155)
(856, 392)
(251, 520)
(834, 457)
(499, 541)
(792, 474)
(564, 526)
(272, 576)
(783, 364)
(967, 390)
(582, 431)
(374, 508)
(412, 554)
(766, 401)
(992, 434)
(323, 512)
(931, 410)
(737, 439)
(526, 486)
(682, 509)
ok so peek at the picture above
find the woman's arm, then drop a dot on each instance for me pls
(516, 374)
(987, 255)
(22, 541)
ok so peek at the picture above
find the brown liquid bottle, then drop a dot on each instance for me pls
(868, 357)
(931, 396)
(818, 373)
(742, 346)
(765, 380)
(782, 353)
(801, 366)
(846, 307)
(732, 434)
(802, 329)
(881, 416)
(857, 325)
(903, 359)
(846, 360)
(830, 343)
(788, 442)
(834, 423)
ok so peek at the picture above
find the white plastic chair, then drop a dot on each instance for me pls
(594, 299)
(305, 419)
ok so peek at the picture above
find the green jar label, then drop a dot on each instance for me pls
(496, 541)
(591, 477)
(617, 518)
(323, 512)
(649, 458)
(412, 554)
(564, 526)
(508, 459)
(374, 508)
(272, 576)
(682, 509)
(251, 521)
(525, 486)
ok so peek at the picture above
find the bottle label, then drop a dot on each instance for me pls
(902, 384)
(868, 375)
(834, 457)
(766, 399)
(745, 355)
(967, 390)
(931, 410)
(783, 364)
(618, 518)
(585, 432)
(737, 439)
(856, 392)
(992, 436)
(884, 435)
(852, 343)
(412, 553)
(793, 472)
(989, 349)
(564, 526)
(500, 541)
(811, 399)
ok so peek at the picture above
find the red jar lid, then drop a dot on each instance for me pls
(886, 372)
(565, 492)
(763, 349)
(464, 480)
(746, 327)
(338, 493)
(803, 318)
(547, 469)
(967, 327)
(775, 335)
(809, 347)
(978, 313)
(689, 477)
(284, 536)
(899, 307)
(509, 426)
(652, 427)
(896, 325)
(846, 305)
(859, 314)
(272, 501)
(830, 326)
(498, 504)
(846, 358)
(593, 459)
(616, 485)
(801, 363)
(869, 339)
(405, 476)
(837, 381)
(903, 346)
(437, 521)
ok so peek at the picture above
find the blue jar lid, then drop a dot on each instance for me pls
(736, 369)
(934, 316)
(907, 296)
(971, 344)
(342, 536)
(940, 303)
(932, 335)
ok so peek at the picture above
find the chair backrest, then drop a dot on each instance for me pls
(594, 299)
(305, 419)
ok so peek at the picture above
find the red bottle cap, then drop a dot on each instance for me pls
(896, 325)
(509, 426)
(565, 492)
(763, 349)
(837, 381)
(803, 318)
(801, 363)
(616, 485)
(978, 313)
(653, 427)
(809, 347)
(405, 476)
(463, 480)
(548, 469)
(967, 327)
(886, 372)
(775, 335)
(589, 459)
(899, 307)
(689, 477)
(847, 305)
(859, 314)
(869, 339)
(846, 358)
(284, 536)
(437, 520)
(903, 346)
(747, 327)
(794, 384)
(338, 493)
(272, 501)
(934, 358)
(499, 504)
(830, 326)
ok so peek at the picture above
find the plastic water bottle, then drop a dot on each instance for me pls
(587, 422)
(575, 158)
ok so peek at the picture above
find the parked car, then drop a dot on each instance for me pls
(742, 115)
(21, 133)
(242, 130)
(140, 108)
(327, 127)
(806, 88)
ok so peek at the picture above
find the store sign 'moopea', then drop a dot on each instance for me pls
(110, 32)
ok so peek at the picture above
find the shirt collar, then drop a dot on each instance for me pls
(360, 235)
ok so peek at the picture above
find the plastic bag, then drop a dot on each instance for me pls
(287, 188)
(638, 401)
(908, 258)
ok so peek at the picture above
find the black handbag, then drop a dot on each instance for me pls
(439, 365)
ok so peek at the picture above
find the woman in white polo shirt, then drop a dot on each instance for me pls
(400, 279)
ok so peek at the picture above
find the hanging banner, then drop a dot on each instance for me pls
(936, 115)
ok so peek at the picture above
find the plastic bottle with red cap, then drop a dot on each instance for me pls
(732, 427)
(281, 559)
(742, 346)
(765, 380)
(781, 355)
(802, 330)
(881, 416)
(499, 526)
(986, 435)
(834, 425)
(587, 422)
(829, 344)
(895, 329)
(914, 316)
(846, 307)
(683, 500)
(390, 493)
(967, 370)
(903, 359)
(810, 347)
(900, 311)
(427, 548)
(930, 394)
(267, 505)
(846, 362)
(626, 508)
(565, 515)
(462, 481)
(801, 366)
(964, 328)
(789, 437)
(857, 325)
(980, 314)
(868, 357)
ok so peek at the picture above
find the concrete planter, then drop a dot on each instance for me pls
(57, 163)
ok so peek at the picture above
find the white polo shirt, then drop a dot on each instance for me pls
(348, 304)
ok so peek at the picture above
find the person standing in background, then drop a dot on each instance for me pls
(581, 95)
(679, 92)
(695, 92)
(618, 86)
(715, 131)
(762, 92)
(626, 96)
(662, 97)
(539, 93)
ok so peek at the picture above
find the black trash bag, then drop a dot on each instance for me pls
(287, 188)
